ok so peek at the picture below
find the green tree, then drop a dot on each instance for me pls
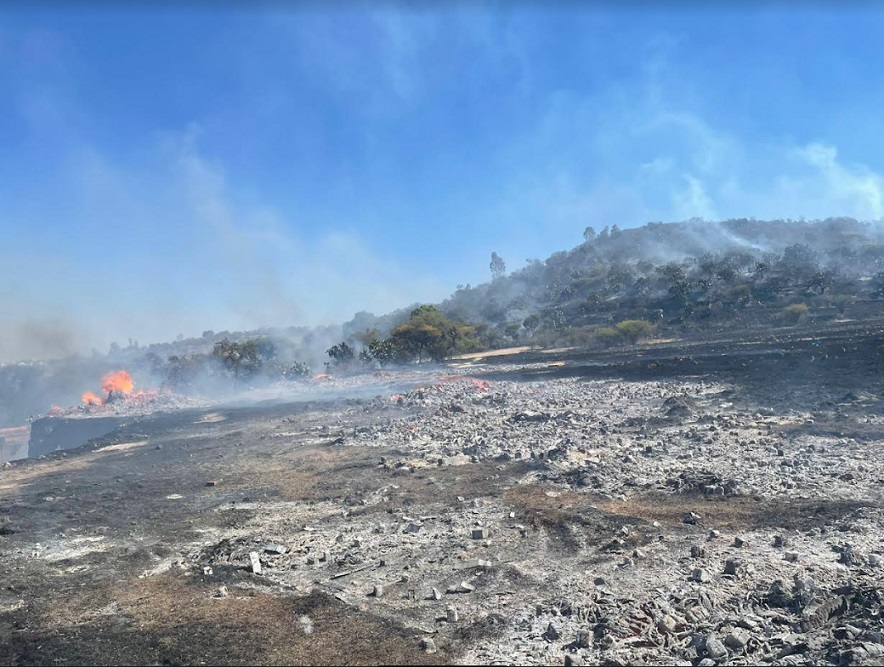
(821, 280)
(531, 322)
(367, 336)
(497, 266)
(429, 332)
(242, 360)
(341, 354)
(385, 351)
(266, 348)
(676, 277)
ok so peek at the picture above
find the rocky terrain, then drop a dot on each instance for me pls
(676, 506)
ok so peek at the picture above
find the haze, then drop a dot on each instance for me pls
(166, 171)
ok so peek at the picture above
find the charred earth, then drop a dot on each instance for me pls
(705, 504)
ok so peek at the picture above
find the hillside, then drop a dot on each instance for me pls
(674, 279)
(685, 277)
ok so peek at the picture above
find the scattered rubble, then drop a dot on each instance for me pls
(549, 520)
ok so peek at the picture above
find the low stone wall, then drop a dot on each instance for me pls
(50, 434)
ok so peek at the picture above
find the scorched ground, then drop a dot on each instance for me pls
(680, 507)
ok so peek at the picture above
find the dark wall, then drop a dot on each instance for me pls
(53, 433)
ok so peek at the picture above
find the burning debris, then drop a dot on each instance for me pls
(90, 398)
(120, 398)
(118, 382)
(116, 385)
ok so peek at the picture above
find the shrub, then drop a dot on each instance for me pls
(795, 312)
(607, 336)
(635, 330)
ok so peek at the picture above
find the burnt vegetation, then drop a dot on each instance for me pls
(680, 279)
(615, 289)
(620, 287)
(231, 362)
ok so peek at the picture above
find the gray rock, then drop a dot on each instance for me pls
(873, 636)
(697, 551)
(750, 623)
(874, 651)
(428, 645)
(713, 648)
(666, 625)
(802, 584)
(551, 634)
(849, 557)
(462, 587)
(847, 631)
(481, 533)
(700, 575)
(573, 659)
(732, 566)
(690, 517)
(737, 639)
(378, 591)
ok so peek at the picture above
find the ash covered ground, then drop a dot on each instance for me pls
(710, 504)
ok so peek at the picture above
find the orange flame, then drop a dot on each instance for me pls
(89, 398)
(117, 381)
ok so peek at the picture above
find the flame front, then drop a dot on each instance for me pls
(89, 398)
(113, 384)
(117, 381)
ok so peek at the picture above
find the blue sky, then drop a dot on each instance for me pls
(171, 170)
